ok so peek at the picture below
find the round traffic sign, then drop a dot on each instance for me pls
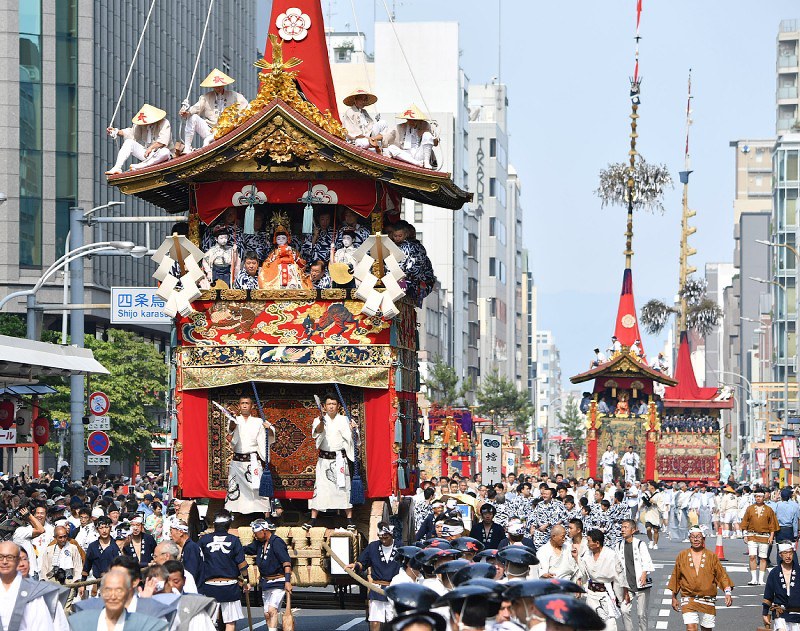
(99, 403)
(98, 443)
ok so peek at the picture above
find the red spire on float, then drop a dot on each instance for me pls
(299, 25)
(627, 327)
(687, 388)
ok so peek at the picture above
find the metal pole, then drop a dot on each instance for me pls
(33, 328)
(76, 382)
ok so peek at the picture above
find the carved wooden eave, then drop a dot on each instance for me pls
(281, 144)
(625, 366)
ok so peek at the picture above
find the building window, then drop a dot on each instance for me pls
(492, 147)
(472, 248)
(472, 290)
(30, 132)
(492, 266)
(492, 225)
(419, 237)
(492, 307)
(492, 187)
(501, 272)
(417, 212)
(66, 192)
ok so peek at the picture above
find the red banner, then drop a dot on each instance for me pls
(214, 197)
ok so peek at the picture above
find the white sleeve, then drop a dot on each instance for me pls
(201, 622)
(22, 534)
(37, 616)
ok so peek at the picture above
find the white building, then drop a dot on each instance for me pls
(549, 392)
(451, 238)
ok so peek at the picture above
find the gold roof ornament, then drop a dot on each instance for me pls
(276, 81)
(279, 222)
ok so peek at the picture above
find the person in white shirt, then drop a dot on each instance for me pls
(555, 558)
(86, 530)
(169, 551)
(63, 555)
(636, 565)
(630, 464)
(23, 536)
(600, 568)
(35, 615)
(203, 116)
(632, 498)
(607, 461)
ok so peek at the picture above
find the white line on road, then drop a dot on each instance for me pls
(351, 624)
(663, 613)
(666, 601)
(662, 624)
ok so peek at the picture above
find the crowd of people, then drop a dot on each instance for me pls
(700, 424)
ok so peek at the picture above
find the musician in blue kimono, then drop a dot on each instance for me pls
(781, 606)
(274, 565)
(380, 558)
(317, 245)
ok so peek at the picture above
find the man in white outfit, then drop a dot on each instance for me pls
(333, 434)
(603, 573)
(362, 130)
(607, 461)
(148, 140)
(413, 141)
(630, 463)
(636, 564)
(555, 559)
(202, 117)
(248, 437)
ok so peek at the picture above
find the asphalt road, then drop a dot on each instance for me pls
(745, 613)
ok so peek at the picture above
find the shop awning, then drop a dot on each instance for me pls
(26, 361)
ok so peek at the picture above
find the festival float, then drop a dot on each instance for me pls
(282, 159)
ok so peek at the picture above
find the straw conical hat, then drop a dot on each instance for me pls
(413, 113)
(215, 79)
(350, 98)
(148, 115)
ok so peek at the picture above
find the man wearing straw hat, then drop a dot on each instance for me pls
(413, 141)
(202, 117)
(148, 140)
(362, 130)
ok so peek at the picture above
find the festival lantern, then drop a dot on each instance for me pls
(7, 413)
(41, 430)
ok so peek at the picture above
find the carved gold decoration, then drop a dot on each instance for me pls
(377, 222)
(334, 294)
(233, 294)
(194, 228)
(276, 81)
(282, 144)
(283, 294)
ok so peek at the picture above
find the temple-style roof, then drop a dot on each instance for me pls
(278, 143)
(624, 365)
(687, 394)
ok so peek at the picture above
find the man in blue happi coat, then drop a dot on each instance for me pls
(781, 606)
(275, 567)
(380, 558)
(223, 567)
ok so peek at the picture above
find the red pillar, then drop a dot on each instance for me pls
(591, 446)
(650, 446)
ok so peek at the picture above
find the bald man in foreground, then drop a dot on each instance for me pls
(555, 558)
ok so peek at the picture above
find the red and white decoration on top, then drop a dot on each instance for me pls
(324, 195)
(293, 25)
(247, 196)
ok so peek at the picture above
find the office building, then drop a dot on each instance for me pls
(65, 64)
(787, 68)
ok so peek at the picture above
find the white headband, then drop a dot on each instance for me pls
(453, 530)
(783, 547)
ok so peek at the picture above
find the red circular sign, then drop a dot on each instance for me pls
(98, 443)
(98, 403)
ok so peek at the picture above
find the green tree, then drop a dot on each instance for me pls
(498, 396)
(12, 324)
(442, 385)
(137, 381)
(573, 423)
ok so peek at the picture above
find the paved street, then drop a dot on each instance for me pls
(744, 614)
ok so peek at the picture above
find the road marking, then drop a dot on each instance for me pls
(351, 624)
(258, 625)
(666, 601)
(662, 624)
(663, 613)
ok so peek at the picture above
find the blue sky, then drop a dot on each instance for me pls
(567, 65)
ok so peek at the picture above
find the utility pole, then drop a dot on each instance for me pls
(76, 382)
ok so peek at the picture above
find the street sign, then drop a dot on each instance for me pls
(98, 443)
(8, 436)
(491, 458)
(99, 423)
(99, 403)
(98, 460)
(137, 305)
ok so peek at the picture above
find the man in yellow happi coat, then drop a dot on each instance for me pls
(696, 577)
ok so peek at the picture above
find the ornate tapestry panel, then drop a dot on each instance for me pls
(292, 409)
(218, 376)
(686, 455)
